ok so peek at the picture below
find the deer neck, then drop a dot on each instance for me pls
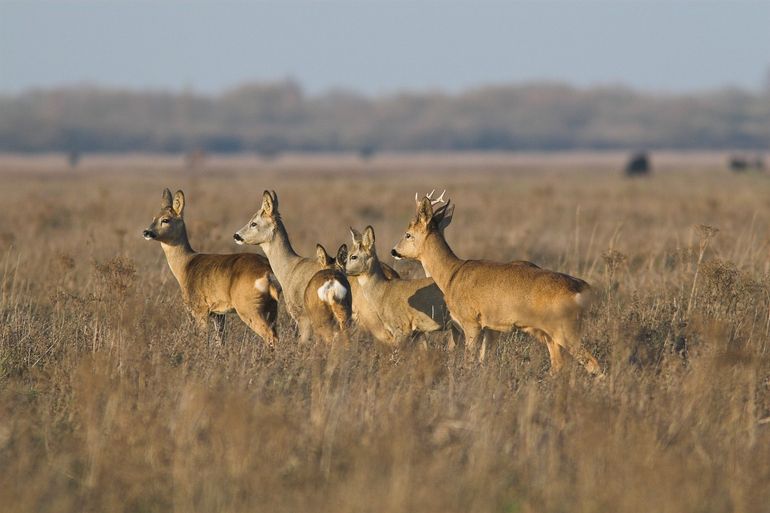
(179, 253)
(281, 254)
(438, 260)
(372, 281)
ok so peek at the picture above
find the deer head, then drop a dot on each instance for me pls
(362, 257)
(432, 217)
(262, 226)
(168, 225)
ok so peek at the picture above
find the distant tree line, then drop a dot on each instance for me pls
(274, 117)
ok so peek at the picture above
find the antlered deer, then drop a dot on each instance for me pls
(328, 301)
(394, 309)
(483, 295)
(213, 285)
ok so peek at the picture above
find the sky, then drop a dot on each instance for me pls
(377, 47)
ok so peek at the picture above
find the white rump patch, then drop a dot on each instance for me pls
(332, 290)
(262, 284)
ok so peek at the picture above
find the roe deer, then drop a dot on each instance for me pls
(266, 229)
(395, 309)
(363, 314)
(213, 285)
(328, 301)
(483, 295)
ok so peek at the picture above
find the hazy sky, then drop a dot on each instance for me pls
(378, 46)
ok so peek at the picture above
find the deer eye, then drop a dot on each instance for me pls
(253, 225)
(164, 221)
(353, 257)
(408, 235)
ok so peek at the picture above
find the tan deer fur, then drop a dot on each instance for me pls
(328, 300)
(363, 315)
(213, 285)
(266, 229)
(396, 309)
(293, 271)
(483, 295)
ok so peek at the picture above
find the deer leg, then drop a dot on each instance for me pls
(472, 335)
(200, 317)
(554, 350)
(554, 353)
(421, 341)
(324, 332)
(342, 314)
(259, 324)
(264, 328)
(454, 336)
(218, 320)
(488, 340)
(569, 338)
(342, 336)
(305, 329)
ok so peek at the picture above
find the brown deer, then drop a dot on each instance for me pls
(213, 285)
(483, 295)
(328, 300)
(394, 309)
(266, 229)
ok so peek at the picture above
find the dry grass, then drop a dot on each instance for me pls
(109, 402)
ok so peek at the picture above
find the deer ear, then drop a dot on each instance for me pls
(355, 234)
(321, 256)
(342, 255)
(166, 200)
(425, 211)
(179, 202)
(368, 238)
(268, 203)
(444, 217)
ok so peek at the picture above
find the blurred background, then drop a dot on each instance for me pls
(367, 77)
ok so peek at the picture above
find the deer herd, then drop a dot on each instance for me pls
(327, 296)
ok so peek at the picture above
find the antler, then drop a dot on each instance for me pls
(440, 199)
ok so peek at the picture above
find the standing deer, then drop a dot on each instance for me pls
(394, 309)
(328, 301)
(213, 285)
(293, 271)
(363, 314)
(483, 295)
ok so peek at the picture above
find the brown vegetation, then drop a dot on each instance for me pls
(109, 401)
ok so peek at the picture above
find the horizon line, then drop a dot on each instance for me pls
(105, 86)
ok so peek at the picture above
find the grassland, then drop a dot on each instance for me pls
(109, 402)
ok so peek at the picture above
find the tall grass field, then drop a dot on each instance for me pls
(110, 401)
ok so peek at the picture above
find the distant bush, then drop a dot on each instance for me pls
(741, 163)
(638, 165)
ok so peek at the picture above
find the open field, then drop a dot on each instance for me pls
(110, 402)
